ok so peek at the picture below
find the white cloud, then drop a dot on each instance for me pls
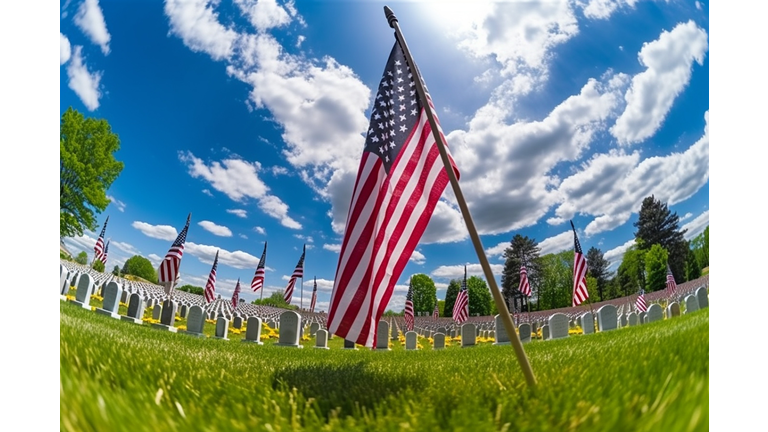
(612, 186)
(279, 170)
(497, 250)
(669, 62)
(239, 179)
(90, 19)
(260, 230)
(698, 5)
(696, 226)
(299, 40)
(332, 247)
(238, 212)
(65, 49)
(243, 236)
(686, 216)
(195, 22)
(615, 255)
(119, 205)
(263, 14)
(155, 259)
(206, 254)
(214, 229)
(557, 244)
(84, 83)
(601, 9)
(307, 239)
(125, 247)
(457, 271)
(417, 257)
(162, 232)
(207, 192)
(84, 243)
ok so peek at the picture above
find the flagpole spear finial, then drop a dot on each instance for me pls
(391, 18)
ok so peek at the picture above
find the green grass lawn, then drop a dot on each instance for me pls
(118, 376)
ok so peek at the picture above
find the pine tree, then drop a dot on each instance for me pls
(598, 269)
(520, 247)
(658, 225)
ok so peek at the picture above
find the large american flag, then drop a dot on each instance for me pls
(579, 271)
(168, 272)
(314, 297)
(525, 286)
(298, 272)
(236, 295)
(461, 307)
(103, 257)
(398, 185)
(640, 302)
(436, 312)
(408, 315)
(671, 285)
(258, 277)
(98, 249)
(210, 286)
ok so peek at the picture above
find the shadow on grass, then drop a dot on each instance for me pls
(347, 389)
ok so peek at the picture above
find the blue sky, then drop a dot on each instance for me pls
(251, 116)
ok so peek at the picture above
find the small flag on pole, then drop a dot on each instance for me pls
(671, 285)
(640, 302)
(409, 308)
(314, 297)
(258, 278)
(298, 272)
(103, 258)
(236, 295)
(210, 286)
(98, 249)
(436, 312)
(579, 271)
(525, 286)
(399, 182)
(168, 273)
(461, 307)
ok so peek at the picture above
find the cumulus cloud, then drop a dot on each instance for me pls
(119, 205)
(238, 212)
(196, 23)
(79, 244)
(497, 250)
(243, 236)
(90, 19)
(162, 232)
(125, 247)
(457, 271)
(214, 229)
(84, 83)
(65, 49)
(612, 186)
(264, 14)
(615, 255)
(696, 226)
(238, 179)
(686, 216)
(557, 244)
(206, 254)
(417, 257)
(602, 9)
(155, 259)
(332, 247)
(669, 62)
(260, 230)
(207, 192)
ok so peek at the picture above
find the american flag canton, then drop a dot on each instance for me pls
(395, 110)
(576, 244)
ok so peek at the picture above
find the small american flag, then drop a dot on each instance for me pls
(168, 272)
(258, 278)
(399, 182)
(579, 271)
(640, 302)
(98, 250)
(210, 286)
(671, 285)
(525, 286)
(298, 272)
(236, 295)
(461, 307)
(314, 297)
(436, 312)
(408, 315)
(103, 258)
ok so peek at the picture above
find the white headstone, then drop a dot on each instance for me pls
(290, 323)
(525, 332)
(135, 309)
(167, 317)
(313, 328)
(253, 331)
(111, 302)
(545, 332)
(83, 293)
(195, 321)
(691, 304)
(439, 340)
(558, 326)
(703, 297)
(382, 336)
(607, 318)
(410, 340)
(222, 328)
(632, 319)
(321, 339)
(673, 310)
(588, 323)
(502, 338)
(468, 335)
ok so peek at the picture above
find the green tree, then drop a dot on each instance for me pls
(700, 248)
(87, 168)
(631, 272)
(139, 266)
(116, 270)
(656, 224)
(598, 268)
(450, 297)
(82, 258)
(98, 266)
(192, 289)
(656, 268)
(556, 281)
(592, 288)
(275, 300)
(692, 269)
(441, 307)
(424, 293)
(520, 247)
(479, 296)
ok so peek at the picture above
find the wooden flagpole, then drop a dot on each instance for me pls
(509, 326)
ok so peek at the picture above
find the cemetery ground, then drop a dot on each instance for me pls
(116, 375)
